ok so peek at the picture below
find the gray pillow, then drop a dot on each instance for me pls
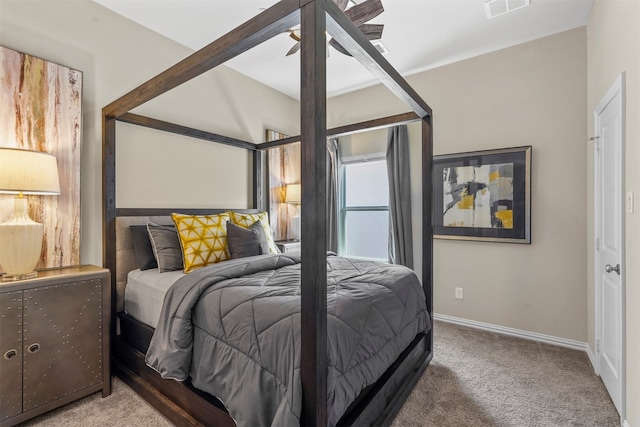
(142, 247)
(244, 242)
(166, 247)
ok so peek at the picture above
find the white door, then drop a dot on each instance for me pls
(609, 224)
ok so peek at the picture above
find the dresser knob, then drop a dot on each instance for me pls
(10, 354)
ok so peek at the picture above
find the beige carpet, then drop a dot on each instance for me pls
(480, 378)
(476, 379)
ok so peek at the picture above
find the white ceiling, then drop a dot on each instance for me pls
(419, 34)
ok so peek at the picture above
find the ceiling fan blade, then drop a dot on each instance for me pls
(337, 46)
(372, 31)
(342, 4)
(364, 11)
(294, 49)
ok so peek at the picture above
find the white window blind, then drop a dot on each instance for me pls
(364, 227)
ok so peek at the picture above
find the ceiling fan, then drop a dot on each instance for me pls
(359, 14)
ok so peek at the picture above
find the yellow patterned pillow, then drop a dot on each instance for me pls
(246, 220)
(203, 239)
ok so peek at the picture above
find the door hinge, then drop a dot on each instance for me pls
(597, 244)
(597, 346)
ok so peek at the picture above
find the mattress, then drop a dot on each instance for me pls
(145, 293)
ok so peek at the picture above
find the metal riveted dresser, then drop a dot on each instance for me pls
(54, 341)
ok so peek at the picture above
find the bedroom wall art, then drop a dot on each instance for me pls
(40, 109)
(483, 195)
(283, 168)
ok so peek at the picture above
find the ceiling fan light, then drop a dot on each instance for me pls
(295, 34)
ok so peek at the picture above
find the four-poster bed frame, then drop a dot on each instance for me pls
(379, 402)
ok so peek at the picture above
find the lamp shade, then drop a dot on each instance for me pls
(28, 172)
(293, 193)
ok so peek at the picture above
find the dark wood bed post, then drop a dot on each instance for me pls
(258, 184)
(109, 208)
(313, 313)
(427, 217)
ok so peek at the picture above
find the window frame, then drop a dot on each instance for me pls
(343, 209)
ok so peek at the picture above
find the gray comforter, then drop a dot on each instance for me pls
(234, 327)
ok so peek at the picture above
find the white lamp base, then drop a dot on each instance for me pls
(295, 227)
(15, 278)
(20, 243)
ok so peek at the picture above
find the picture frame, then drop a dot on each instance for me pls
(483, 195)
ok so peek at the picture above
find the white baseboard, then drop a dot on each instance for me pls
(592, 359)
(519, 333)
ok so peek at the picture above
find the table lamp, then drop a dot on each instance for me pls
(24, 172)
(293, 196)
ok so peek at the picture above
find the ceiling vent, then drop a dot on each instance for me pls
(495, 8)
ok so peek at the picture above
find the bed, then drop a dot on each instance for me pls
(183, 402)
(232, 329)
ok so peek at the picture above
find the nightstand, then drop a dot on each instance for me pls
(288, 246)
(54, 340)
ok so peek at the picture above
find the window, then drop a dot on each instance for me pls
(364, 210)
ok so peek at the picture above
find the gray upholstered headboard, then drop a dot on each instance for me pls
(125, 256)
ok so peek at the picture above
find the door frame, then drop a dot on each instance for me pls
(618, 87)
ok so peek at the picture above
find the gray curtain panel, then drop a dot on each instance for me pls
(333, 170)
(400, 233)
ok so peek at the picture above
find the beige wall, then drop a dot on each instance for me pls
(531, 94)
(613, 41)
(363, 143)
(116, 55)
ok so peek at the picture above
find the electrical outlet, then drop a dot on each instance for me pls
(459, 293)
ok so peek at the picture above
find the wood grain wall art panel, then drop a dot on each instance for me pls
(41, 110)
(283, 169)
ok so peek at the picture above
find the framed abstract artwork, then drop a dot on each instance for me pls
(483, 195)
